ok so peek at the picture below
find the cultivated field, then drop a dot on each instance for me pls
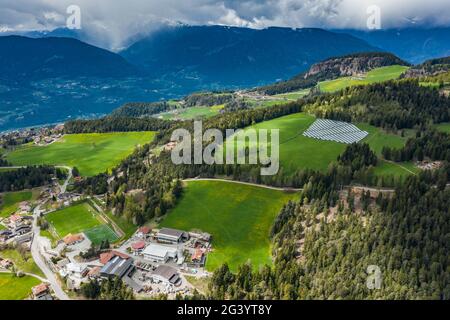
(78, 218)
(238, 216)
(375, 75)
(91, 153)
(14, 288)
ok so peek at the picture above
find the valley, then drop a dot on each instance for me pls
(361, 141)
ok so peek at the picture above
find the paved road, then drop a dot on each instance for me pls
(64, 186)
(246, 183)
(39, 260)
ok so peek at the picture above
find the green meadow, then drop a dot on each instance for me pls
(300, 152)
(238, 217)
(293, 95)
(9, 201)
(190, 113)
(15, 288)
(373, 76)
(444, 127)
(91, 153)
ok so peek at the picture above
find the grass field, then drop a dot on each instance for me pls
(299, 152)
(191, 113)
(73, 219)
(25, 264)
(373, 76)
(444, 127)
(395, 169)
(378, 138)
(10, 201)
(100, 233)
(14, 288)
(91, 153)
(238, 217)
(78, 218)
(293, 95)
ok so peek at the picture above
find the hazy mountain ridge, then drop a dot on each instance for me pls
(332, 68)
(231, 55)
(414, 45)
(25, 59)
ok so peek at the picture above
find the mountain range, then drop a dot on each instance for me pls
(52, 76)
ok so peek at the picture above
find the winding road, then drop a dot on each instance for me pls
(35, 250)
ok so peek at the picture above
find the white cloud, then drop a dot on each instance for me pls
(112, 22)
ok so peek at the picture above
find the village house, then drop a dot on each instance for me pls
(143, 232)
(41, 292)
(72, 239)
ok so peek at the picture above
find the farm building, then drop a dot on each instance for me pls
(117, 267)
(171, 235)
(158, 253)
(166, 275)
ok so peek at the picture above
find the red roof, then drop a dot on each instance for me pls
(138, 245)
(40, 288)
(198, 254)
(145, 229)
(106, 256)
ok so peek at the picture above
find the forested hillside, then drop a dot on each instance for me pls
(332, 68)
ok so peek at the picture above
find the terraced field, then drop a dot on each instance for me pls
(238, 217)
(91, 153)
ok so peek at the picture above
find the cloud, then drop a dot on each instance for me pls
(112, 22)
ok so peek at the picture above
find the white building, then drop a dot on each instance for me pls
(158, 253)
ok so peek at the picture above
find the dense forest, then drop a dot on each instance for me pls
(28, 177)
(117, 124)
(430, 144)
(324, 255)
(142, 109)
(391, 105)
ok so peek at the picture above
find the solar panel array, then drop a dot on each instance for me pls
(331, 130)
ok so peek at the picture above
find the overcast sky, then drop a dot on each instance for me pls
(112, 22)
